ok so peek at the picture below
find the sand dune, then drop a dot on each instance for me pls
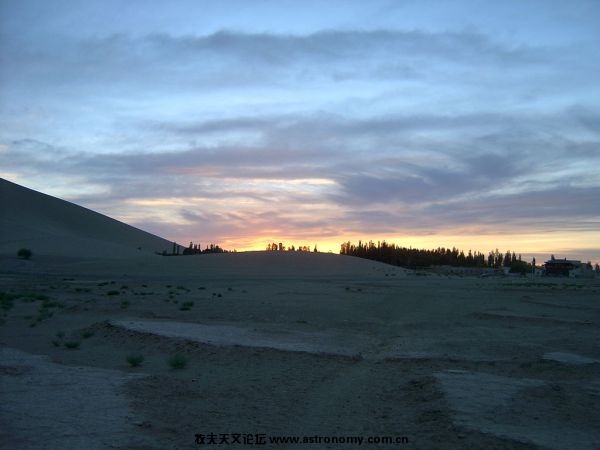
(51, 226)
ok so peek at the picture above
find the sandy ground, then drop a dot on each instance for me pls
(293, 345)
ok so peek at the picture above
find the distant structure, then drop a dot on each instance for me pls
(561, 267)
(568, 268)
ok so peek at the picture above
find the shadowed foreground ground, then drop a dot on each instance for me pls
(293, 345)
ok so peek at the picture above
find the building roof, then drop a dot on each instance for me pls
(563, 261)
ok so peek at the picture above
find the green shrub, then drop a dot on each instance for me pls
(85, 334)
(72, 345)
(43, 314)
(178, 361)
(6, 300)
(24, 253)
(135, 360)
(113, 292)
(186, 306)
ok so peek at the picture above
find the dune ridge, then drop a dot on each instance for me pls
(50, 226)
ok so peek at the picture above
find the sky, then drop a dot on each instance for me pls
(428, 124)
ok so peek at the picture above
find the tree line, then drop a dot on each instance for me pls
(419, 258)
(192, 249)
(196, 249)
(274, 247)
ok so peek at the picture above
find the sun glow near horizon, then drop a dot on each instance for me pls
(562, 245)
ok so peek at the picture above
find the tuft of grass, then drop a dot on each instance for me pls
(186, 306)
(177, 361)
(72, 345)
(85, 334)
(43, 314)
(112, 292)
(6, 301)
(135, 360)
(24, 253)
(47, 303)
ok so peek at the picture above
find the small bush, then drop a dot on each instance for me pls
(24, 253)
(47, 303)
(186, 306)
(43, 314)
(6, 301)
(178, 361)
(72, 345)
(135, 360)
(85, 334)
(113, 292)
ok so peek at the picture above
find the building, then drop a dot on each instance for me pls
(561, 267)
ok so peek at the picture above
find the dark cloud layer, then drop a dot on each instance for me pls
(236, 60)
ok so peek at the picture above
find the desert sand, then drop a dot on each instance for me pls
(278, 344)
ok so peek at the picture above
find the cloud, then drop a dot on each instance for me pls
(228, 59)
(385, 159)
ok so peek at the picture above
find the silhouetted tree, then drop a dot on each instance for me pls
(409, 257)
